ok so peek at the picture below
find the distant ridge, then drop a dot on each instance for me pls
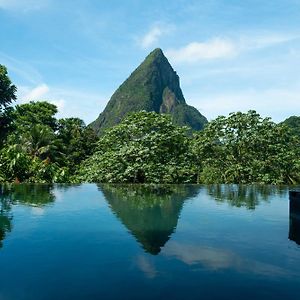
(293, 123)
(153, 86)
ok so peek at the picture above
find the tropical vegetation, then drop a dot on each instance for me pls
(145, 147)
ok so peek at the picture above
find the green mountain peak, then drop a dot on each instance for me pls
(156, 53)
(153, 86)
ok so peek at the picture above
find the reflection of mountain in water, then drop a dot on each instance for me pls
(149, 212)
(248, 196)
(28, 194)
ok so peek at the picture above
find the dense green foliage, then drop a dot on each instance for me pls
(153, 86)
(78, 142)
(7, 89)
(293, 123)
(7, 96)
(39, 148)
(244, 148)
(146, 147)
(25, 115)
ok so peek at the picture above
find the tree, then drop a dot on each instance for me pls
(5, 124)
(146, 148)
(40, 142)
(14, 163)
(7, 89)
(7, 96)
(78, 141)
(40, 148)
(26, 115)
(32, 148)
(32, 156)
(245, 148)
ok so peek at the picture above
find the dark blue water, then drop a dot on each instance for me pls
(139, 242)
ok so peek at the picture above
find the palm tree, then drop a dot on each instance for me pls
(40, 142)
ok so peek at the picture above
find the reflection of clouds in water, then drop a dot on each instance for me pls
(58, 194)
(37, 211)
(146, 266)
(219, 259)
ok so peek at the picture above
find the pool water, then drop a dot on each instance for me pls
(148, 242)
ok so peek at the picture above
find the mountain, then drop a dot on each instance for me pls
(294, 123)
(153, 86)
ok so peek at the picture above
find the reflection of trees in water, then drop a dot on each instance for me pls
(248, 196)
(28, 194)
(5, 217)
(150, 212)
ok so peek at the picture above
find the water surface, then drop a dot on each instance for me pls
(141, 242)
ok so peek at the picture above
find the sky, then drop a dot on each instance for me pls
(230, 55)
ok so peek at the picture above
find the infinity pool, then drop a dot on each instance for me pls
(148, 242)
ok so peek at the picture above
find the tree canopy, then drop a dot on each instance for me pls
(245, 148)
(7, 89)
(26, 115)
(145, 147)
(7, 96)
(40, 148)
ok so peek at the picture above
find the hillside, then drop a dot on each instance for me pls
(294, 123)
(153, 86)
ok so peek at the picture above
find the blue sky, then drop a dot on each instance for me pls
(230, 55)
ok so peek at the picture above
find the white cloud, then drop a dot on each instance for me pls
(153, 35)
(276, 103)
(42, 92)
(197, 51)
(37, 211)
(36, 93)
(70, 102)
(220, 259)
(217, 47)
(146, 266)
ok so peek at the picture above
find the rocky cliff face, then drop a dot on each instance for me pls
(153, 86)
